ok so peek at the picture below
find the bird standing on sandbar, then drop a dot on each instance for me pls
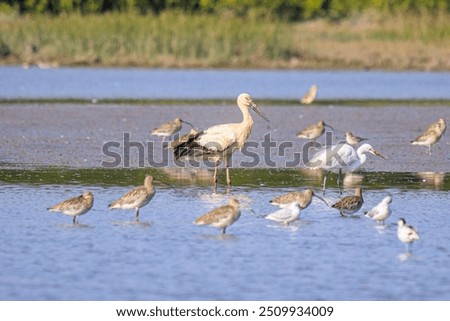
(352, 139)
(313, 131)
(286, 215)
(340, 158)
(219, 142)
(349, 205)
(75, 206)
(431, 135)
(170, 128)
(303, 199)
(407, 234)
(221, 217)
(382, 211)
(136, 198)
(310, 96)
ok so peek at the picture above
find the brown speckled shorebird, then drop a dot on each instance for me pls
(136, 198)
(75, 206)
(352, 139)
(431, 135)
(314, 131)
(349, 205)
(310, 96)
(221, 217)
(303, 199)
(170, 128)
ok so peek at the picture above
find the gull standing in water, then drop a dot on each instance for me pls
(286, 215)
(431, 135)
(136, 198)
(382, 211)
(219, 142)
(352, 139)
(349, 205)
(310, 96)
(303, 199)
(407, 234)
(341, 157)
(314, 131)
(221, 217)
(75, 206)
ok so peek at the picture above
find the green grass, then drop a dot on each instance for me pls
(179, 40)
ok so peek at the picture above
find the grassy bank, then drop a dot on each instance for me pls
(401, 42)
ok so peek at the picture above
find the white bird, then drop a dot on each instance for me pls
(352, 139)
(221, 217)
(381, 211)
(431, 135)
(285, 215)
(219, 142)
(310, 96)
(75, 206)
(136, 198)
(406, 233)
(341, 158)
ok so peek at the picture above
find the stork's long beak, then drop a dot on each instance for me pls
(321, 199)
(377, 153)
(258, 111)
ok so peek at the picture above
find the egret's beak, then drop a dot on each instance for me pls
(183, 121)
(258, 111)
(328, 126)
(377, 153)
(321, 199)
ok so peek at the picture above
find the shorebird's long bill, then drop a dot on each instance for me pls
(321, 199)
(165, 183)
(188, 123)
(377, 153)
(259, 112)
(329, 127)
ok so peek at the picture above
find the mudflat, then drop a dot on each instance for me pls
(117, 135)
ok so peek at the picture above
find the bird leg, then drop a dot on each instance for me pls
(223, 230)
(74, 221)
(324, 182)
(429, 149)
(228, 172)
(136, 215)
(215, 177)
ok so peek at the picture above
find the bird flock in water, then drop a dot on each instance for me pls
(217, 143)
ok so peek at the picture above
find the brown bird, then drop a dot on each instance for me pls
(431, 135)
(314, 131)
(136, 198)
(349, 205)
(303, 199)
(170, 128)
(75, 206)
(310, 96)
(221, 217)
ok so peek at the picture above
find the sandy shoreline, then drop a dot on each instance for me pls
(75, 135)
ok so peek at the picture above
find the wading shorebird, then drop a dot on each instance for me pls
(349, 205)
(303, 199)
(431, 135)
(136, 198)
(407, 234)
(286, 215)
(75, 206)
(221, 217)
(219, 142)
(340, 158)
(314, 131)
(352, 139)
(310, 96)
(381, 211)
(170, 128)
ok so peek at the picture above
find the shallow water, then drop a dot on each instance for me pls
(135, 83)
(166, 257)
